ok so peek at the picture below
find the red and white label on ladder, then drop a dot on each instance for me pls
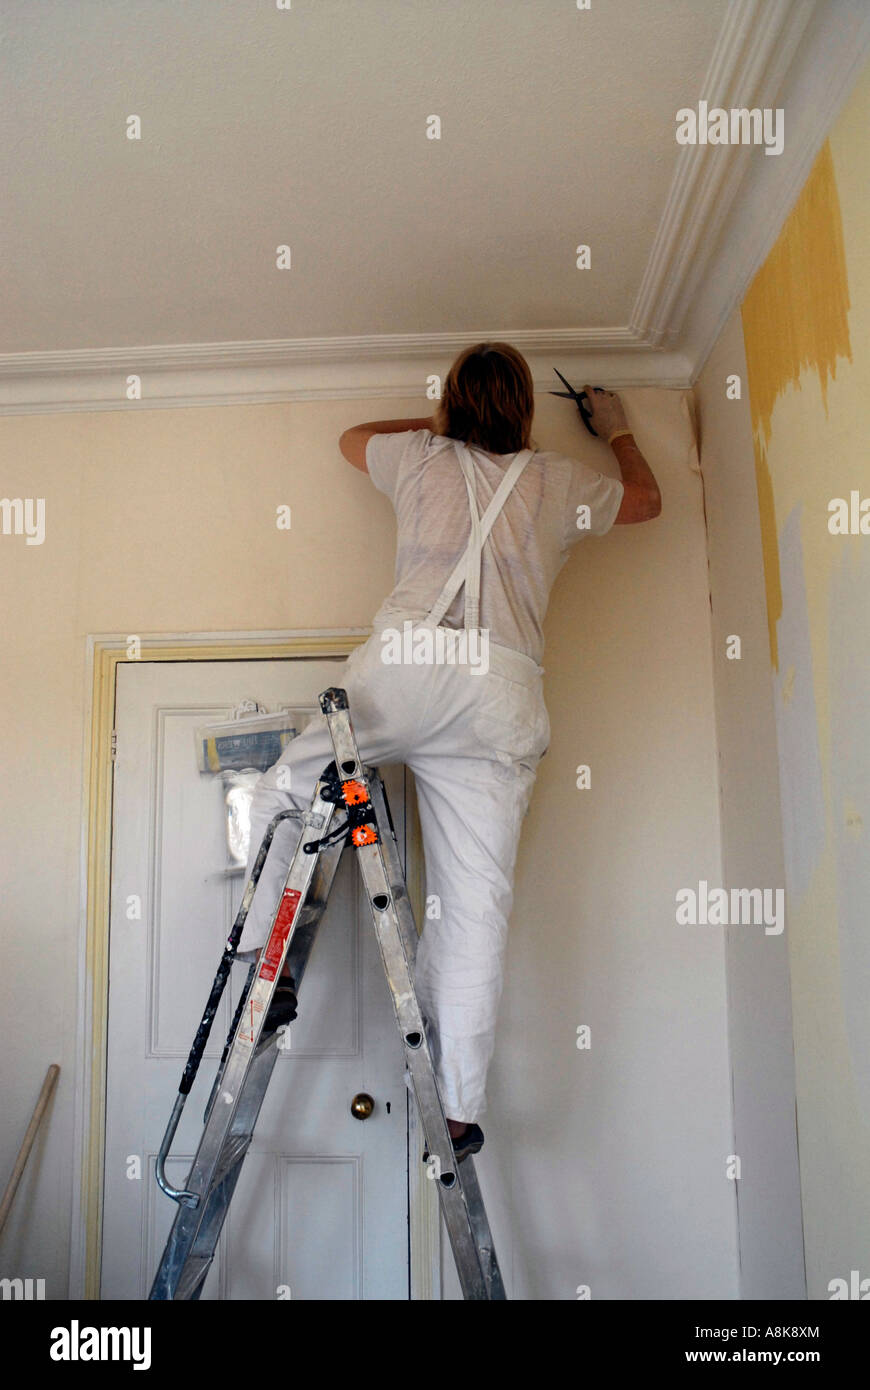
(270, 964)
(271, 960)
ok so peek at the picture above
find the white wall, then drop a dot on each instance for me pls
(607, 1167)
(759, 1012)
(604, 1167)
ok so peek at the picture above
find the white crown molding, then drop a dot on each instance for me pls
(724, 209)
(394, 366)
(755, 46)
(834, 49)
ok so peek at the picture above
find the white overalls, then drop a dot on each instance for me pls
(473, 742)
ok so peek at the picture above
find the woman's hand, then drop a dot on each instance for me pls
(607, 412)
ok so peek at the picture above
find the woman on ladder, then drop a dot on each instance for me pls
(485, 523)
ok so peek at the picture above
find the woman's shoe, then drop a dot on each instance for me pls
(471, 1142)
(282, 1010)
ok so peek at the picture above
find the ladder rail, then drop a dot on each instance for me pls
(373, 838)
(203, 1032)
(301, 943)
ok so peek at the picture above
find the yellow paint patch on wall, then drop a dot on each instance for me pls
(795, 318)
(795, 314)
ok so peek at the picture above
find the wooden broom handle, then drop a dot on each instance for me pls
(48, 1086)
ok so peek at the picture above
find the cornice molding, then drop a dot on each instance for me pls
(755, 47)
(207, 374)
(834, 48)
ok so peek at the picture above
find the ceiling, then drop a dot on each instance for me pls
(306, 127)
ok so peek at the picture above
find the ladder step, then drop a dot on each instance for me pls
(193, 1276)
(231, 1156)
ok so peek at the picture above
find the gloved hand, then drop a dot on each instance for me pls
(606, 411)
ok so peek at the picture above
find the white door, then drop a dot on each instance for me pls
(321, 1208)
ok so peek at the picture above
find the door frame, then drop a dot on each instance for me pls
(104, 652)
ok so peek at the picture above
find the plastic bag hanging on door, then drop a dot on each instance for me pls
(239, 749)
(250, 738)
(238, 793)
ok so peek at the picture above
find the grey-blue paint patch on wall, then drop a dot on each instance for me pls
(849, 657)
(797, 731)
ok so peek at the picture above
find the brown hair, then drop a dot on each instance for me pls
(488, 399)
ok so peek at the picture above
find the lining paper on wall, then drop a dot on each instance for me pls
(849, 619)
(797, 737)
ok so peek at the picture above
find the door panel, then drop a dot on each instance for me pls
(321, 1207)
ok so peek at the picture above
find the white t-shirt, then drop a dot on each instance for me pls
(527, 546)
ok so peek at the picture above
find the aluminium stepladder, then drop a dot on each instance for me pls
(357, 794)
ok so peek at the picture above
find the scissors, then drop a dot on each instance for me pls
(579, 397)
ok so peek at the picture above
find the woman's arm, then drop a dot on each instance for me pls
(641, 500)
(353, 442)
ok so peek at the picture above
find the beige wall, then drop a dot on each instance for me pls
(604, 1167)
(602, 1150)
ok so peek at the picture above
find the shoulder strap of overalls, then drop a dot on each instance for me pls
(467, 570)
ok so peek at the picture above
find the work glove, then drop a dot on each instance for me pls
(608, 416)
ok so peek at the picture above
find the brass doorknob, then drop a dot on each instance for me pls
(361, 1106)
